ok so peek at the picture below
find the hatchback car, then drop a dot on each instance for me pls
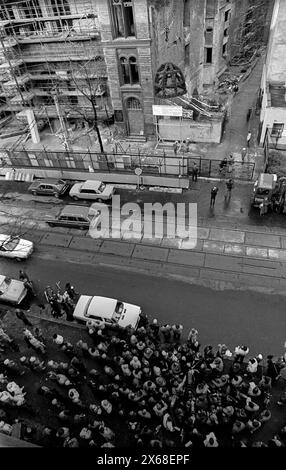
(49, 187)
(73, 216)
(12, 290)
(111, 311)
(95, 190)
(15, 247)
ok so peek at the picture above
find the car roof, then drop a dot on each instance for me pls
(72, 209)
(102, 307)
(267, 180)
(46, 181)
(91, 184)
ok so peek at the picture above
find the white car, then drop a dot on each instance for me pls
(11, 290)
(111, 311)
(15, 247)
(95, 190)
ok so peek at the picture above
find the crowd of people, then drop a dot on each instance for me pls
(163, 391)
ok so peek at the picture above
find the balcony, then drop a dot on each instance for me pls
(21, 80)
(13, 63)
(25, 96)
(7, 43)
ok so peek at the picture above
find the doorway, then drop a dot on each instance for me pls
(135, 116)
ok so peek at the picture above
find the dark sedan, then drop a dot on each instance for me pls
(49, 187)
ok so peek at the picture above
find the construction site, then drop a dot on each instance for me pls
(57, 89)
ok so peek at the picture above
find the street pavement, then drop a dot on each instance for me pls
(229, 317)
(235, 249)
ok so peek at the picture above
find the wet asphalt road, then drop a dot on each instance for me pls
(231, 317)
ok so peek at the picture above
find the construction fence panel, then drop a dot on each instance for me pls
(165, 165)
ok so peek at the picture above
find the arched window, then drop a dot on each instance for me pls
(125, 72)
(133, 70)
(133, 103)
(129, 70)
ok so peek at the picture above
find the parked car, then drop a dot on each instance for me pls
(73, 216)
(111, 311)
(49, 187)
(95, 190)
(11, 290)
(15, 247)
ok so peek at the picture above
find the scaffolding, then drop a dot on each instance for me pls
(69, 22)
(250, 32)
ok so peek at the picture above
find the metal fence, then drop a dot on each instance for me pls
(150, 163)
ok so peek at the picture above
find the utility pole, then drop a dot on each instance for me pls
(61, 119)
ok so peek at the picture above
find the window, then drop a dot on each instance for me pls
(73, 100)
(87, 191)
(187, 54)
(209, 36)
(187, 13)
(129, 70)
(210, 8)
(227, 15)
(125, 70)
(60, 7)
(133, 70)
(208, 55)
(225, 33)
(123, 18)
(133, 103)
(224, 49)
(277, 129)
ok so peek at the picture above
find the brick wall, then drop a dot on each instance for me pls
(194, 73)
(113, 76)
(141, 19)
(104, 20)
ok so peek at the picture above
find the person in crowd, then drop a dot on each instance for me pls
(21, 315)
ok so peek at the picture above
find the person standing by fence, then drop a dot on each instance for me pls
(175, 147)
(214, 192)
(195, 172)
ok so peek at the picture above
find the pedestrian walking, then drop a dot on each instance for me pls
(263, 207)
(243, 154)
(214, 192)
(195, 172)
(230, 162)
(21, 315)
(23, 276)
(248, 139)
(175, 147)
(229, 186)
(249, 112)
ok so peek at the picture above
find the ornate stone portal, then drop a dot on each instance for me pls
(169, 81)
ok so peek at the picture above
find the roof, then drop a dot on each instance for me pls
(72, 209)
(102, 306)
(91, 184)
(266, 180)
(46, 181)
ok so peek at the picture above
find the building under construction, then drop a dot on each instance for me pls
(72, 60)
(52, 60)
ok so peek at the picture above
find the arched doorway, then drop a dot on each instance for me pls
(135, 116)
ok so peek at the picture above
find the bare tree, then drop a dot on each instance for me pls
(88, 79)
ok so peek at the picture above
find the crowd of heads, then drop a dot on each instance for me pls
(163, 391)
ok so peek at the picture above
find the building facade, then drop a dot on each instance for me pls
(273, 83)
(114, 48)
